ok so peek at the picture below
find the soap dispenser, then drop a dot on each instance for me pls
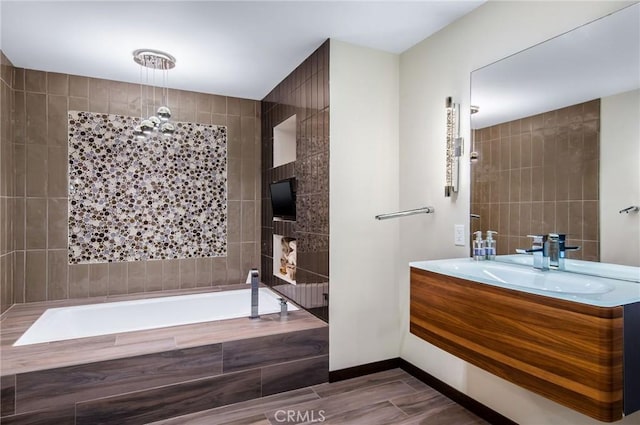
(478, 247)
(490, 245)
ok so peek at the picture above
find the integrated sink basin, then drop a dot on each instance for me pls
(528, 278)
(593, 268)
(592, 290)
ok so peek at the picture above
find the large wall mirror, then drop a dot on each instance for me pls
(557, 141)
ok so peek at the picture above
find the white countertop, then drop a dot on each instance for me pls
(593, 290)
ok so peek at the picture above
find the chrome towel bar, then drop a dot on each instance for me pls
(423, 210)
(632, 208)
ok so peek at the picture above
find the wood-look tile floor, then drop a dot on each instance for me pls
(392, 397)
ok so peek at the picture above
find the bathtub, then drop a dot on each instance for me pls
(58, 324)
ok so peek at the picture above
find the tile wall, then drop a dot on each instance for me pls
(305, 93)
(41, 101)
(538, 175)
(7, 194)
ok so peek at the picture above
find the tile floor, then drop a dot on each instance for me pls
(392, 397)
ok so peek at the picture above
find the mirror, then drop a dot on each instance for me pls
(557, 142)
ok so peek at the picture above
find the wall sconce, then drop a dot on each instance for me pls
(454, 148)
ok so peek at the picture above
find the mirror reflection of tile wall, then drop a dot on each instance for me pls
(538, 175)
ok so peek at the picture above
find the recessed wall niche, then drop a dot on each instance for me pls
(156, 198)
(285, 258)
(284, 142)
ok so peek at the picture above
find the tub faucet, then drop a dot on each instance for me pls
(283, 307)
(255, 282)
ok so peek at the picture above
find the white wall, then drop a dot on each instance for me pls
(620, 178)
(440, 66)
(364, 308)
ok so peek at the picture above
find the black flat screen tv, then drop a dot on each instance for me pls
(283, 199)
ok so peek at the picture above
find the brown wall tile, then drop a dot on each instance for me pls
(57, 223)
(234, 269)
(19, 276)
(170, 274)
(187, 273)
(154, 276)
(36, 170)
(555, 171)
(57, 84)
(35, 81)
(36, 230)
(219, 271)
(57, 107)
(78, 86)
(57, 181)
(136, 276)
(117, 278)
(204, 267)
(78, 280)
(36, 118)
(98, 279)
(58, 274)
(36, 276)
(39, 110)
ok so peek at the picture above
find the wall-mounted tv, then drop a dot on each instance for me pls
(283, 199)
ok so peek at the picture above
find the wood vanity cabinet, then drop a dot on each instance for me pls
(569, 352)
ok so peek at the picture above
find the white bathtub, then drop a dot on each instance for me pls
(57, 324)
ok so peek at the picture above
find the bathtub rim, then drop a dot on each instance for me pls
(28, 358)
(52, 312)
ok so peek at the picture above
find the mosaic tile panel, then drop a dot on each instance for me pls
(132, 199)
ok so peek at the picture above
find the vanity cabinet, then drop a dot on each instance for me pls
(569, 352)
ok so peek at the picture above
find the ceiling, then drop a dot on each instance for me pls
(232, 48)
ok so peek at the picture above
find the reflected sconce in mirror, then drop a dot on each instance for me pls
(473, 156)
(454, 148)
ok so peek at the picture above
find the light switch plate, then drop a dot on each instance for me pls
(458, 234)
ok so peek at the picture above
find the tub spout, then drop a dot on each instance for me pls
(255, 282)
(283, 307)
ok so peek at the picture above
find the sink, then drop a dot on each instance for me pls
(593, 268)
(524, 277)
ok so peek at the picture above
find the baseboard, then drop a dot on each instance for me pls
(445, 389)
(461, 398)
(364, 369)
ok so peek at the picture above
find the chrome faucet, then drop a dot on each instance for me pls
(540, 250)
(255, 283)
(283, 307)
(549, 251)
(557, 262)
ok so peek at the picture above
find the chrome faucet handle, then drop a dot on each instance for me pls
(540, 250)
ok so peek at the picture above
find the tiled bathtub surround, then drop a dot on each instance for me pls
(305, 93)
(41, 103)
(538, 175)
(144, 376)
(159, 198)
